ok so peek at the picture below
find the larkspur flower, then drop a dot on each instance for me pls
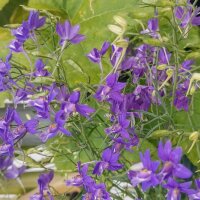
(95, 55)
(5, 66)
(43, 183)
(112, 89)
(56, 127)
(171, 161)
(196, 194)
(40, 71)
(73, 105)
(175, 189)
(93, 190)
(22, 32)
(152, 28)
(109, 161)
(67, 32)
(144, 172)
(82, 178)
(35, 21)
(120, 127)
(186, 15)
(16, 46)
(116, 54)
(41, 105)
(181, 101)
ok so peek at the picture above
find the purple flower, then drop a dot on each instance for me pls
(116, 54)
(22, 32)
(196, 195)
(95, 55)
(57, 126)
(22, 128)
(109, 161)
(141, 98)
(43, 183)
(181, 101)
(5, 66)
(120, 127)
(175, 189)
(171, 161)
(186, 15)
(20, 95)
(72, 105)
(41, 105)
(112, 89)
(16, 46)
(152, 28)
(144, 172)
(40, 71)
(127, 143)
(98, 191)
(12, 172)
(93, 190)
(67, 32)
(34, 20)
(82, 178)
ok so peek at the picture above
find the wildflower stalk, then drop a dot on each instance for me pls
(176, 57)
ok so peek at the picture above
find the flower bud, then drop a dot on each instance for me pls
(161, 67)
(194, 136)
(115, 29)
(121, 21)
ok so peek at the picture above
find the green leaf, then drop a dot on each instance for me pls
(43, 80)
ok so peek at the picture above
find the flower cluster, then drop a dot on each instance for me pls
(141, 79)
(167, 172)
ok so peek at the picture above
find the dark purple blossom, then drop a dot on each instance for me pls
(95, 55)
(82, 178)
(171, 161)
(175, 189)
(144, 172)
(109, 161)
(196, 194)
(116, 54)
(112, 89)
(67, 32)
(35, 21)
(43, 183)
(187, 15)
(181, 101)
(5, 66)
(40, 71)
(41, 105)
(73, 105)
(22, 32)
(16, 46)
(56, 127)
(152, 28)
(120, 127)
(93, 190)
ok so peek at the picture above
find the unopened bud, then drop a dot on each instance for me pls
(120, 20)
(161, 67)
(169, 72)
(194, 136)
(115, 29)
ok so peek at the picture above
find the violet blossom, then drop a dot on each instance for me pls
(67, 32)
(109, 161)
(144, 172)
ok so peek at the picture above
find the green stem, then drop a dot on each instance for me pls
(176, 57)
